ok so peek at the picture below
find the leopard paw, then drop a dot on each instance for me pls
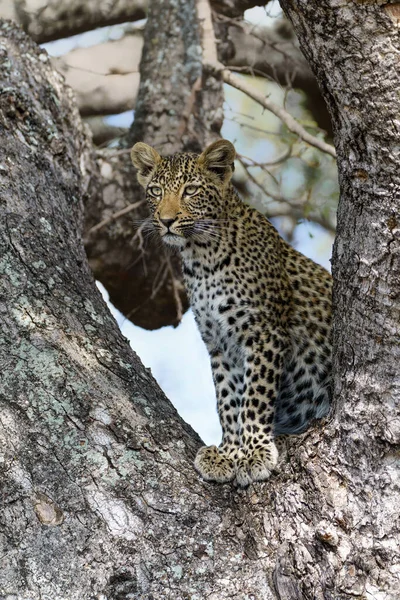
(262, 461)
(256, 465)
(214, 466)
(243, 478)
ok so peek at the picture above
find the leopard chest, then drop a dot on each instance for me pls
(215, 300)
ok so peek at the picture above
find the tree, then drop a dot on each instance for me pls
(100, 497)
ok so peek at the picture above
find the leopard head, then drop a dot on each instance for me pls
(185, 192)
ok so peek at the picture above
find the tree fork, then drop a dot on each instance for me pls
(97, 487)
(99, 494)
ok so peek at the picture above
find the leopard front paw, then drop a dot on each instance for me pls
(262, 461)
(214, 466)
(256, 465)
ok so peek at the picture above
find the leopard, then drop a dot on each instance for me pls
(262, 308)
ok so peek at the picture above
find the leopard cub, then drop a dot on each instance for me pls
(263, 309)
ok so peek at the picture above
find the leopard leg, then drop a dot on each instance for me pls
(263, 366)
(218, 464)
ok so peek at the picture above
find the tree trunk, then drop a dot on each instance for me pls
(177, 109)
(100, 499)
(354, 50)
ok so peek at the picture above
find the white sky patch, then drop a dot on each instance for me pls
(263, 15)
(180, 363)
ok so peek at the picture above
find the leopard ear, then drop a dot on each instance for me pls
(218, 158)
(145, 159)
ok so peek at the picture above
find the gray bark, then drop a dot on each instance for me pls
(354, 51)
(100, 500)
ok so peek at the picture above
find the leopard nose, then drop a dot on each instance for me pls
(167, 222)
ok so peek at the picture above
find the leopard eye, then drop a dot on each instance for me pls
(191, 189)
(155, 190)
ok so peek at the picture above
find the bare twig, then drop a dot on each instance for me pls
(276, 197)
(281, 113)
(115, 216)
(160, 278)
(287, 154)
(251, 127)
(249, 70)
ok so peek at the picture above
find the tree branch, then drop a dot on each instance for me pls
(111, 86)
(105, 77)
(47, 20)
(291, 123)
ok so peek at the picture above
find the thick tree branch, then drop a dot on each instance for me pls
(47, 20)
(105, 77)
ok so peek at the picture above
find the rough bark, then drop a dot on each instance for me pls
(354, 50)
(96, 483)
(47, 20)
